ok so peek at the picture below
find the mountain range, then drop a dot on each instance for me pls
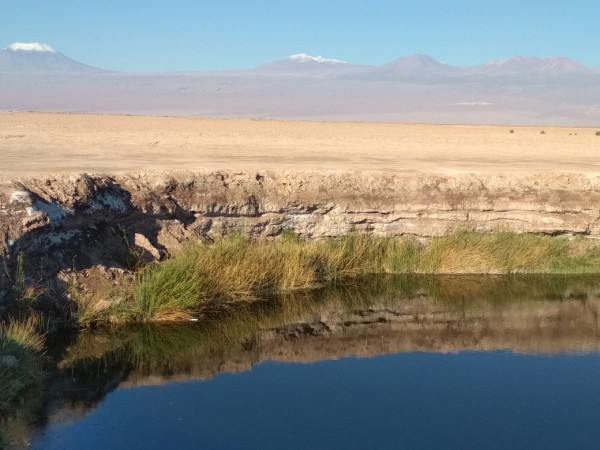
(415, 88)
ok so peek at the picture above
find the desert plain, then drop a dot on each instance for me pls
(34, 144)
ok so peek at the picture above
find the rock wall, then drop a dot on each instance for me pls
(80, 221)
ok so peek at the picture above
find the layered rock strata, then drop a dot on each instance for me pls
(86, 220)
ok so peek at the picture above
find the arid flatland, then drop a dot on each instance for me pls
(33, 144)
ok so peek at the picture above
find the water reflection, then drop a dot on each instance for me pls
(377, 316)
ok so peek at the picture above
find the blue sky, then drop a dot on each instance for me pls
(161, 35)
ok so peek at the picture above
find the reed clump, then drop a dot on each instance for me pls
(24, 333)
(211, 277)
(21, 345)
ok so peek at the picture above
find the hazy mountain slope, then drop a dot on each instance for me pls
(39, 58)
(554, 91)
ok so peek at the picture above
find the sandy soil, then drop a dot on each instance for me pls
(33, 144)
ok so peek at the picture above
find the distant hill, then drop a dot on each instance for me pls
(523, 65)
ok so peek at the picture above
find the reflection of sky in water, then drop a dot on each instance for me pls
(411, 400)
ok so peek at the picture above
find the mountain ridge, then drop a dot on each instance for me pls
(413, 88)
(38, 57)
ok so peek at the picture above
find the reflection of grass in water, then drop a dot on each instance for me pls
(16, 374)
(149, 348)
(472, 291)
(132, 346)
(498, 287)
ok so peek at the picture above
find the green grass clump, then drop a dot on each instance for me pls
(21, 345)
(168, 290)
(24, 333)
(508, 252)
(204, 278)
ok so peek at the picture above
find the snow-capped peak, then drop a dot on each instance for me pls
(303, 57)
(30, 47)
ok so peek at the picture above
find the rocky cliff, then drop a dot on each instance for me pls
(86, 220)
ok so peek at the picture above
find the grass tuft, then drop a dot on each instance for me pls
(21, 290)
(25, 333)
(21, 344)
(167, 291)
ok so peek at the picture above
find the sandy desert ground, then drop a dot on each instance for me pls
(33, 144)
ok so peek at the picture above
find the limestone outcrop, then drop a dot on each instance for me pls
(82, 221)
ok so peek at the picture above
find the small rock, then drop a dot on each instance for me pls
(35, 220)
(142, 241)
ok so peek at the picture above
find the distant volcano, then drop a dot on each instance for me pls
(39, 58)
(418, 63)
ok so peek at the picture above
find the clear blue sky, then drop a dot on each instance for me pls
(160, 35)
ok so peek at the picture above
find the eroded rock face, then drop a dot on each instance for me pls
(77, 222)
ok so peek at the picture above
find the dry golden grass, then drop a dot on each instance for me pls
(25, 333)
(205, 278)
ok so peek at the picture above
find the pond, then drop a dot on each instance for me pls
(394, 362)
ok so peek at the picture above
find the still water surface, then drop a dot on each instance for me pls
(413, 400)
(402, 362)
